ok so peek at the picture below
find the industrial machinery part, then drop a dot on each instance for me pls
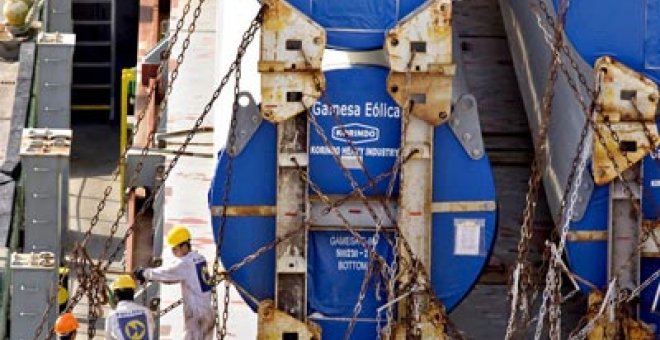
(45, 157)
(330, 170)
(33, 278)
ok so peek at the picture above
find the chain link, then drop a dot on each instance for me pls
(524, 267)
(91, 279)
(52, 299)
(553, 273)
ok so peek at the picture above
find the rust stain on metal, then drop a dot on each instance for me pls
(627, 104)
(586, 236)
(419, 50)
(292, 47)
(432, 325)
(273, 323)
(245, 210)
(463, 206)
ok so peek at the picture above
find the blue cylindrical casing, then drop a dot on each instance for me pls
(356, 24)
(336, 263)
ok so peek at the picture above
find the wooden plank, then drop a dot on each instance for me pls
(478, 18)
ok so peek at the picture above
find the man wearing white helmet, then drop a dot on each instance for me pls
(190, 269)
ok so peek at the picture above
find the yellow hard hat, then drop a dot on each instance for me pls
(62, 295)
(63, 271)
(66, 324)
(123, 282)
(177, 235)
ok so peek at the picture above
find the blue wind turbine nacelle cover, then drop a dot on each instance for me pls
(356, 24)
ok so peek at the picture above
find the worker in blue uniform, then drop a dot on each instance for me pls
(189, 268)
(129, 321)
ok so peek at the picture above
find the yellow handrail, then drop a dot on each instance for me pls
(128, 75)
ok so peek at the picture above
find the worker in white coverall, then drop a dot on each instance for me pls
(129, 321)
(190, 269)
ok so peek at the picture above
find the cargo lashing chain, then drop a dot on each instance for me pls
(523, 266)
(97, 271)
(279, 239)
(649, 136)
(103, 268)
(52, 299)
(221, 329)
(423, 274)
(353, 183)
(590, 121)
(77, 259)
(348, 176)
(571, 82)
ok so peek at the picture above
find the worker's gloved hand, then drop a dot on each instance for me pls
(138, 273)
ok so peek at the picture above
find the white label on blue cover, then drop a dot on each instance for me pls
(655, 183)
(468, 236)
(350, 254)
(351, 162)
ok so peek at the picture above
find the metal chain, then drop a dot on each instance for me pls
(98, 283)
(164, 59)
(330, 205)
(81, 245)
(221, 329)
(52, 298)
(102, 268)
(552, 291)
(76, 260)
(524, 267)
(594, 95)
(423, 274)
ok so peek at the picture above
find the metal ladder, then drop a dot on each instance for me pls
(92, 89)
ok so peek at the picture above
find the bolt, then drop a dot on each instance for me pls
(455, 122)
(476, 152)
(255, 119)
(467, 137)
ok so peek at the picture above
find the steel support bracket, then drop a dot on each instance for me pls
(248, 121)
(292, 47)
(273, 324)
(291, 209)
(464, 123)
(152, 165)
(419, 50)
(627, 103)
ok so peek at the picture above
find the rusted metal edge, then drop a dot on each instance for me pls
(587, 236)
(245, 210)
(463, 206)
